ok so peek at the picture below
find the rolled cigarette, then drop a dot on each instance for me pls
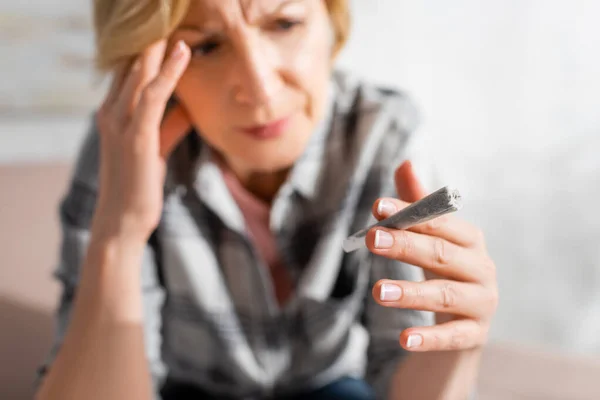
(442, 201)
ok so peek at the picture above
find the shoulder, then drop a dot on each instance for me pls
(384, 117)
(364, 99)
(390, 119)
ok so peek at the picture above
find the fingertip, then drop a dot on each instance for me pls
(403, 339)
(370, 239)
(386, 207)
(403, 168)
(376, 291)
(179, 59)
(402, 174)
(136, 66)
(375, 208)
(411, 340)
(408, 186)
(180, 50)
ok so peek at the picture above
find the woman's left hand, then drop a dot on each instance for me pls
(460, 278)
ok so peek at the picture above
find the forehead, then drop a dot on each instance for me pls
(228, 11)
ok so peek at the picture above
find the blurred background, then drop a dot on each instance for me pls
(510, 94)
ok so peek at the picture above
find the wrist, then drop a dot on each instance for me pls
(111, 277)
(129, 230)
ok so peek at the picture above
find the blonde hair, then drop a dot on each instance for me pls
(124, 28)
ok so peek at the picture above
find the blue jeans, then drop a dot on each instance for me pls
(342, 389)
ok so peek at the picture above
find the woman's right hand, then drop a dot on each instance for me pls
(135, 142)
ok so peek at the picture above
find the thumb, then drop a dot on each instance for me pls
(407, 184)
(175, 125)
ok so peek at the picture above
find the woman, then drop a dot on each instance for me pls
(224, 169)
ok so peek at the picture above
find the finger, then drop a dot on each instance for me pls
(118, 75)
(463, 334)
(104, 120)
(146, 67)
(407, 183)
(175, 125)
(155, 95)
(455, 230)
(123, 105)
(152, 60)
(433, 254)
(440, 296)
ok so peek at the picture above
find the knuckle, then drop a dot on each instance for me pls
(168, 74)
(483, 337)
(493, 300)
(103, 119)
(458, 340)
(448, 296)
(441, 253)
(489, 266)
(414, 296)
(436, 223)
(479, 236)
(436, 341)
(152, 93)
(114, 124)
(406, 243)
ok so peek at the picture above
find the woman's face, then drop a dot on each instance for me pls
(256, 85)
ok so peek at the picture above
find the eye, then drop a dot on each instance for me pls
(205, 48)
(284, 24)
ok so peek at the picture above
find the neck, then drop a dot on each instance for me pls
(263, 185)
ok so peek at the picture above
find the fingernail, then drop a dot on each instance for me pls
(390, 292)
(178, 50)
(386, 207)
(414, 341)
(383, 240)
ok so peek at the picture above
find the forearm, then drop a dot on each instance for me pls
(440, 375)
(102, 355)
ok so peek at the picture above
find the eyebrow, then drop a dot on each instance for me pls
(199, 29)
(285, 3)
(196, 29)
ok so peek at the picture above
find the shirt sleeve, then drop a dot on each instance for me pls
(75, 213)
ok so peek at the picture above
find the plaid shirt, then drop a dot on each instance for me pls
(211, 316)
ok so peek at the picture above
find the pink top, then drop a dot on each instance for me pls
(256, 214)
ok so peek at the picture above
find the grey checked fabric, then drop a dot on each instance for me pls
(211, 317)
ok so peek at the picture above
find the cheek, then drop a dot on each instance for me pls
(310, 64)
(193, 92)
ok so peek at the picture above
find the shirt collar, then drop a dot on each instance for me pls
(213, 191)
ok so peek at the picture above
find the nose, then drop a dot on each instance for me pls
(256, 77)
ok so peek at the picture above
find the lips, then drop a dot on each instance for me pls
(271, 130)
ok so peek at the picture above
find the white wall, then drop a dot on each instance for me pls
(509, 89)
